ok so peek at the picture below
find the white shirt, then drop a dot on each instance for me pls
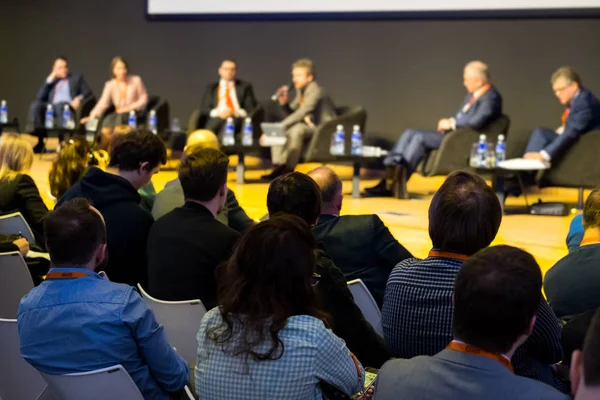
(223, 86)
(466, 107)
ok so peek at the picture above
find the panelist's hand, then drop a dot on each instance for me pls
(224, 113)
(534, 156)
(76, 102)
(282, 95)
(84, 120)
(308, 121)
(51, 77)
(23, 246)
(444, 125)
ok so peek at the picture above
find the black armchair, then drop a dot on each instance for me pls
(161, 107)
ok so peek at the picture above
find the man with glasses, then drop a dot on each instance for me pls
(581, 115)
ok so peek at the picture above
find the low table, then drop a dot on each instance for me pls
(241, 151)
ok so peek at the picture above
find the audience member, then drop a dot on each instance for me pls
(464, 218)
(186, 245)
(134, 159)
(575, 233)
(579, 269)
(18, 192)
(361, 245)
(585, 365)
(573, 334)
(76, 321)
(61, 88)
(125, 92)
(70, 166)
(232, 214)
(298, 194)
(269, 337)
(496, 298)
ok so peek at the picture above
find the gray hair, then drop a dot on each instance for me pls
(478, 69)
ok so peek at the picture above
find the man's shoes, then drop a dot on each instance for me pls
(278, 170)
(399, 189)
(38, 148)
(379, 190)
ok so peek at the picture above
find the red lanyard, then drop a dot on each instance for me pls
(593, 240)
(447, 254)
(66, 275)
(465, 348)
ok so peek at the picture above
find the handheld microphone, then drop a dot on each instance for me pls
(276, 94)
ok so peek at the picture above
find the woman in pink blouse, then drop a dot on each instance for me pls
(126, 92)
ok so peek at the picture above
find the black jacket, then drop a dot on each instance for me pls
(185, 246)
(362, 247)
(21, 195)
(77, 87)
(243, 91)
(347, 321)
(127, 224)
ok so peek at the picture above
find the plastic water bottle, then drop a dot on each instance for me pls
(356, 141)
(482, 151)
(152, 123)
(132, 120)
(49, 121)
(68, 122)
(337, 141)
(229, 134)
(3, 112)
(500, 150)
(247, 133)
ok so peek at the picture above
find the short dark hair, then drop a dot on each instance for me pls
(496, 293)
(329, 183)
(202, 173)
(73, 233)
(567, 73)
(231, 60)
(136, 147)
(464, 215)
(295, 193)
(591, 210)
(591, 352)
(62, 58)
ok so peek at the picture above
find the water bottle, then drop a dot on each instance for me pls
(337, 141)
(229, 134)
(356, 141)
(247, 133)
(68, 122)
(49, 122)
(3, 112)
(132, 120)
(482, 151)
(500, 150)
(152, 123)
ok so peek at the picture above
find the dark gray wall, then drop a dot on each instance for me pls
(407, 73)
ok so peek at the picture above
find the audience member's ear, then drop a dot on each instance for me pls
(340, 201)
(144, 167)
(223, 190)
(531, 325)
(576, 371)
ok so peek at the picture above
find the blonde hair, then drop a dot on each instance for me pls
(16, 156)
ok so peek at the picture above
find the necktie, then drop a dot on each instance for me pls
(228, 99)
(565, 115)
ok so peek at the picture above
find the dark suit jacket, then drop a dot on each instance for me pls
(484, 110)
(584, 116)
(243, 91)
(362, 247)
(77, 86)
(184, 249)
(22, 195)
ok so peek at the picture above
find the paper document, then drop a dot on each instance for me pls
(521, 164)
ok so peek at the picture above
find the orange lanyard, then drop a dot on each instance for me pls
(447, 254)
(481, 93)
(593, 240)
(465, 348)
(66, 275)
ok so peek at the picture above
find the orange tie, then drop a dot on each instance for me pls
(228, 99)
(565, 115)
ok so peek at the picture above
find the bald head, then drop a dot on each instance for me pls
(476, 75)
(331, 189)
(201, 139)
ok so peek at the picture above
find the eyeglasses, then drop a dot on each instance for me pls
(316, 278)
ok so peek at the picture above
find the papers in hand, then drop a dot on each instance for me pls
(521, 164)
(37, 254)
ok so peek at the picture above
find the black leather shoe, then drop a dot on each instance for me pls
(379, 190)
(277, 171)
(38, 148)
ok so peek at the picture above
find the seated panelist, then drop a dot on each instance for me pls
(125, 92)
(482, 105)
(581, 115)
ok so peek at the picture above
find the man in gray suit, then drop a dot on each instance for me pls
(310, 107)
(496, 297)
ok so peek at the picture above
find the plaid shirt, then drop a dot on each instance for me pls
(311, 354)
(417, 318)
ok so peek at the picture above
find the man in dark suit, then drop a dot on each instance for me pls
(581, 115)
(186, 245)
(361, 245)
(482, 105)
(229, 97)
(60, 88)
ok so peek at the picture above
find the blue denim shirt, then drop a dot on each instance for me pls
(62, 92)
(83, 324)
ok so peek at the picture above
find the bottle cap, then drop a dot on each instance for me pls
(356, 127)
(500, 137)
(340, 127)
(248, 120)
(482, 137)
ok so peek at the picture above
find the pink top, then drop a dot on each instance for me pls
(125, 96)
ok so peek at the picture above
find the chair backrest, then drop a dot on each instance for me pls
(18, 379)
(181, 320)
(365, 301)
(498, 126)
(15, 282)
(13, 224)
(106, 383)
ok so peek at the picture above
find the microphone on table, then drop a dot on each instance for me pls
(277, 94)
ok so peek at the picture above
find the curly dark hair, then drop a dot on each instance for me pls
(69, 167)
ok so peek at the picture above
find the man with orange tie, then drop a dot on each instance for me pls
(229, 97)
(581, 115)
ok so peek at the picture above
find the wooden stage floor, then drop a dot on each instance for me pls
(544, 237)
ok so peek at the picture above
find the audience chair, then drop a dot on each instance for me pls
(364, 300)
(15, 224)
(181, 320)
(18, 379)
(15, 282)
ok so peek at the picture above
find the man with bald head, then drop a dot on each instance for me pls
(171, 197)
(361, 245)
(482, 105)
